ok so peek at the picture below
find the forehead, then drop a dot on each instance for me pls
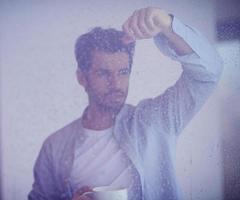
(106, 60)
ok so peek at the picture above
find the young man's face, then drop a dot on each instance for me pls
(107, 80)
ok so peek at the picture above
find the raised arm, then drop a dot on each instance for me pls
(201, 68)
(149, 22)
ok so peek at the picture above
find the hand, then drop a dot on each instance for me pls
(79, 195)
(146, 23)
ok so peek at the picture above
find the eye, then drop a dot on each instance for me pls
(102, 73)
(124, 71)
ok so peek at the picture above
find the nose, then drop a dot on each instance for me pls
(114, 81)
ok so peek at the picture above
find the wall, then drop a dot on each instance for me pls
(40, 94)
(230, 114)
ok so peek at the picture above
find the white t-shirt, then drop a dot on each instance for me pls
(99, 161)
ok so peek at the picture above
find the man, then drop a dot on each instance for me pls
(121, 145)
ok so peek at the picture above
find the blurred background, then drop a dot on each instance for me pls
(40, 94)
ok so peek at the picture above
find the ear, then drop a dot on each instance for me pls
(81, 77)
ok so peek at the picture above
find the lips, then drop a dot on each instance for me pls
(115, 95)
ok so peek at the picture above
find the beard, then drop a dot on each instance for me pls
(111, 101)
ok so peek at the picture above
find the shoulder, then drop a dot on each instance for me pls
(126, 112)
(64, 135)
(130, 111)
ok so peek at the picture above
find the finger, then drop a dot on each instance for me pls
(83, 189)
(127, 39)
(129, 36)
(133, 25)
(142, 24)
(149, 19)
(83, 197)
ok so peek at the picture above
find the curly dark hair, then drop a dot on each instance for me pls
(107, 40)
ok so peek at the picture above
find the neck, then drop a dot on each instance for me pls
(96, 118)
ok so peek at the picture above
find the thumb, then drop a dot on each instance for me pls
(82, 190)
(126, 39)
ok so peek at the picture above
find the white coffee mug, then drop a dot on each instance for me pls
(108, 193)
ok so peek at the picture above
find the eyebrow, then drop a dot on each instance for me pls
(105, 69)
(102, 69)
